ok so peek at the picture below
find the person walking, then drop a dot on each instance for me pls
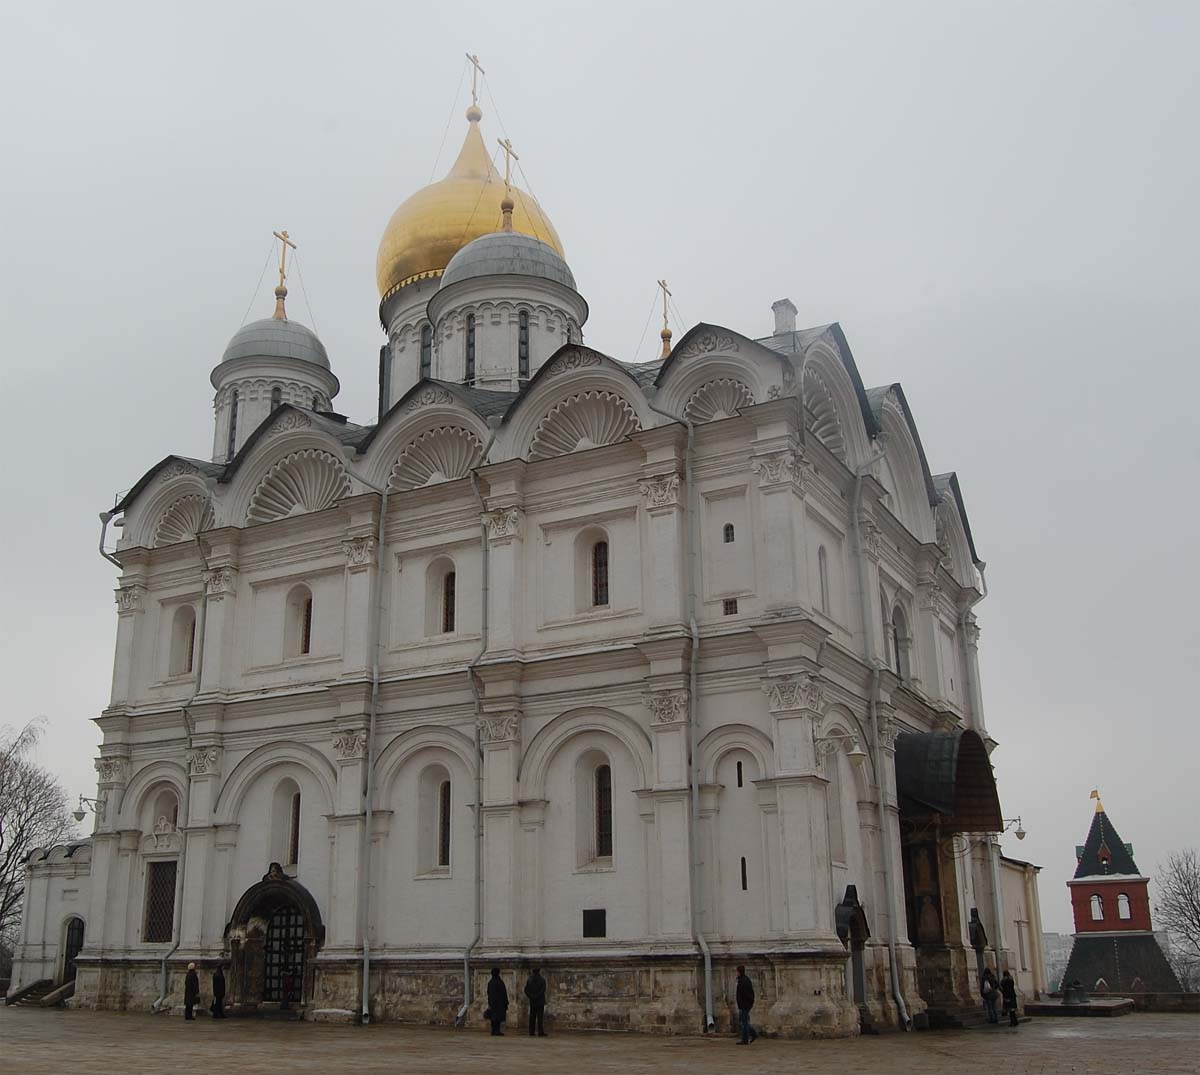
(218, 990)
(191, 991)
(989, 989)
(1008, 988)
(535, 990)
(497, 1002)
(745, 1001)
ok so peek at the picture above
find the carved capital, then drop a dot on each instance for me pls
(798, 693)
(129, 598)
(774, 468)
(360, 551)
(870, 537)
(972, 631)
(501, 729)
(504, 524)
(220, 582)
(350, 743)
(204, 761)
(930, 594)
(667, 707)
(660, 491)
(111, 770)
(889, 729)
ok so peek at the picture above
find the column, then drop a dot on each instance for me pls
(500, 734)
(350, 751)
(927, 631)
(671, 796)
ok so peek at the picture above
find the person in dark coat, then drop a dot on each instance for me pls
(1008, 989)
(191, 991)
(745, 1001)
(497, 1002)
(989, 989)
(535, 990)
(218, 990)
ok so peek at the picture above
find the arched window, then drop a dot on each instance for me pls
(448, 603)
(823, 572)
(523, 345)
(233, 417)
(285, 823)
(434, 820)
(604, 826)
(1097, 907)
(470, 370)
(298, 628)
(426, 350)
(443, 857)
(727, 533)
(833, 807)
(294, 832)
(1123, 911)
(183, 641)
(276, 397)
(901, 657)
(739, 774)
(164, 817)
(600, 574)
(316, 403)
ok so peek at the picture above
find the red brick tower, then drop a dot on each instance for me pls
(1115, 947)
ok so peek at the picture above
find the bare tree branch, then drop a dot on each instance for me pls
(1177, 907)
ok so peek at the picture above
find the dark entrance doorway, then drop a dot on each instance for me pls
(271, 940)
(74, 945)
(850, 920)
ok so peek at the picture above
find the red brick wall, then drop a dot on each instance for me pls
(1139, 905)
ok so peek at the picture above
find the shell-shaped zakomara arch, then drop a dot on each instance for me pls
(183, 519)
(821, 416)
(588, 419)
(722, 397)
(304, 481)
(442, 454)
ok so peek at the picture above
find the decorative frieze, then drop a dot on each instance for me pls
(204, 761)
(660, 491)
(220, 582)
(360, 551)
(505, 524)
(111, 770)
(575, 359)
(350, 743)
(668, 707)
(800, 692)
(501, 729)
(290, 421)
(429, 397)
(707, 343)
(176, 470)
(129, 598)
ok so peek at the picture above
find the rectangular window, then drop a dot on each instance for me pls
(594, 924)
(729, 606)
(160, 902)
(444, 824)
(744, 885)
(470, 373)
(600, 573)
(426, 351)
(448, 585)
(294, 837)
(306, 627)
(523, 346)
(604, 841)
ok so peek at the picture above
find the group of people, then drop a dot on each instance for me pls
(993, 991)
(191, 992)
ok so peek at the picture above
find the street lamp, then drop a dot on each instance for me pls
(85, 804)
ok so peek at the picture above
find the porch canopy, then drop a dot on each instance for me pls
(946, 778)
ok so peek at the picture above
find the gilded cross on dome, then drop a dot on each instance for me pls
(506, 205)
(281, 290)
(666, 329)
(476, 71)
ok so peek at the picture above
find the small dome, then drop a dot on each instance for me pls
(508, 253)
(277, 338)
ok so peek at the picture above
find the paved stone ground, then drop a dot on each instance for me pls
(52, 1042)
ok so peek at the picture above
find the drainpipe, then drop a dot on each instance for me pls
(889, 877)
(693, 731)
(468, 992)
(105, 518)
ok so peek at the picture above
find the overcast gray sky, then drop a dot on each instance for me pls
(996, 200)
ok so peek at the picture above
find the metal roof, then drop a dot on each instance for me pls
(948, 774)
(271, 338)
(508, 253)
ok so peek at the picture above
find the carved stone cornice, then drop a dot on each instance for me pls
(505, 524)
(360, 552)
(660, 491)
(802, 692)
(505, 728)
(221, 582)
(350, 743)
(111, 770)
(129, 598)
(667, 707)
(204, 761)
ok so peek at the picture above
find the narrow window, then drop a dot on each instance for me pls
(895, 648)
(1123, 907)
(604, 812)
(523, 345)
(744, 885)
(470, 374)
(1097, 907)
(426, 350)
(594, 923)
(175, 815)
(448, 603)
(823, 571)
(600, 573)
(306, 627)
(190, 656)
(294, 832)
(444, 824)
(316, 403)
(729, 606)
(739, 774)
(276, 397)
(160, 902)
(233, 417)
(728, 533)
(183, 641)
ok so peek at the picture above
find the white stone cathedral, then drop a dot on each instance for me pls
(631, 671)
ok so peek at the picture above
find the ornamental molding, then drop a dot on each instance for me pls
(205, 761)
(505, 524)
(802, 692)
(177, 470)
(290, 421)
(661, 490)
(428, 397)
(111, 770)
(360, 551)
(504, 729)
(129, 598)
(783, 391)
(705, 344)
(668, 707)
(350, 744)
(573, 360)
(220, 581)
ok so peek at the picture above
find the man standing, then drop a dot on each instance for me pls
(497, 1002)
(191, 991)
(745, 1001)
(218, 987)
(535, 990)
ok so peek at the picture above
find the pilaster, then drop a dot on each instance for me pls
(505, 523)
(500, 737)
(131, 599)
(204, 776)
(670, 796)
(782, 472)
(362, 569)
(349, 742)
(665, 528)
(220, 595)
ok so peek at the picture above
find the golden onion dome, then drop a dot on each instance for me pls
(432, 226)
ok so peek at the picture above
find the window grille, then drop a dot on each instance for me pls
(729, 606)
(160, 901)
(444, 824)
(284, 972)
(294, 832)
(728, 533)
(448, 585)
(604, 841)
(470, 373)
(426, 350)
(306, 627)
(600, 573)
(594, 923)
(523, 345)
